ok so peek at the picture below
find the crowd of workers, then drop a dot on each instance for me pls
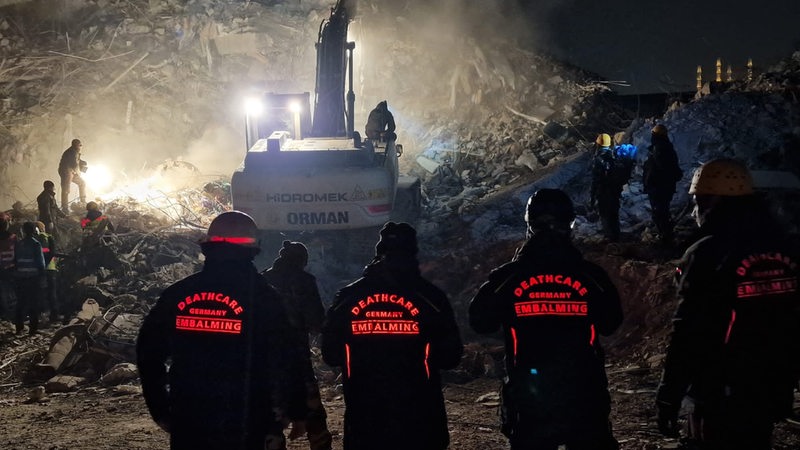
(224, 354)
(228, 347)
(29, 258)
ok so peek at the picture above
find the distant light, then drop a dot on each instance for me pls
(98, 178)
(253, 107)
(295, 107)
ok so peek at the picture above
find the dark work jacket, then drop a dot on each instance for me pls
(231, 358)
(379, 120)
(661, 170)
(551, 305)
(734, 342)
(300, 295)
(391, 332)
(70, 161)
(48, 208)
(604, 187)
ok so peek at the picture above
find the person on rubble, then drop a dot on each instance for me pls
(733, 348)
(391, 332)
(380, 124)
(661, 172)
(299, 292)
(216, 353)
(608, 178)
(551, 305)
(69, 169)
(51, 269)
(28, 278)
(47, 207)
(95, 223)
(8, 241)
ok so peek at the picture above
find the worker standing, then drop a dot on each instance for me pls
(300, 295)
(391, 332)
(69, 169)
(7, 242)
(51, 269)
(734, 349)
(606, 188)
(216, 355)
(47, 206)
(552, 305)
(28, 278)
(660, 174)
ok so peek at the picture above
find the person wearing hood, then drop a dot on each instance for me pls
(380, 124)
(733, 351)
(300, 295)
(216, 355)
(551, 305)
(391, 332)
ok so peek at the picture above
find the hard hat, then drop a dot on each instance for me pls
(603, 140)
(48, 184)
(725, 177)
(92, 206)
(659, 130)
(233, 227)
(40, 225)
(548, 206)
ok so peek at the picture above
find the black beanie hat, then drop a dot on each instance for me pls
(397, 238)
(294, 253)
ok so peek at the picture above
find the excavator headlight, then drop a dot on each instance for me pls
(253, 107)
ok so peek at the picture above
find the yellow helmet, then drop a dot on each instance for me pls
(92, 206)
(603, 140)
(725, 177)
(40, 225)
(659, 130)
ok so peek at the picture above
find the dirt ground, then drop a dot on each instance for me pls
(97, 417)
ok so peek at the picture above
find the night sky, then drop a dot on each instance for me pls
(656, 46)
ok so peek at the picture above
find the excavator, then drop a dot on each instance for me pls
(317, 175)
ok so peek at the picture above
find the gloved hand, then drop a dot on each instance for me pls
(667, 418)
(298, 430)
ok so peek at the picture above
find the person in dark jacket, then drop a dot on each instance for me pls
(47, 206)
(552, 305)
(380, 123)
(28, 278)
(69, 169)
(7, 242)
(391, 332)
(660, 173)
(606, 187)
(216, 355)
(298, 290)
(734, 349)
